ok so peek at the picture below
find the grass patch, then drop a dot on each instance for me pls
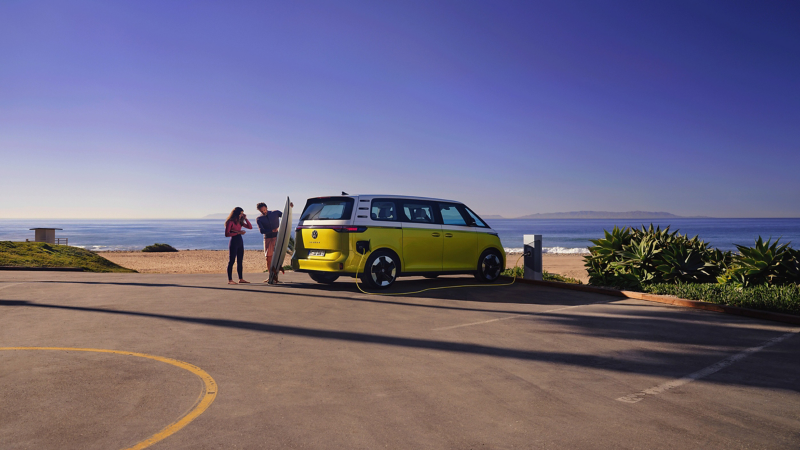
(159, 248)
(546, 276)
(783, 299)
(40, 254)
(519, 272)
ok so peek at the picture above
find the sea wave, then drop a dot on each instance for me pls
(554, 250)
(112, 248)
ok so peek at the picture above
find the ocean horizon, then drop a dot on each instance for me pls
(561, 236)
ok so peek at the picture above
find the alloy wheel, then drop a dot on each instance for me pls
(383, 271)
(491, 266)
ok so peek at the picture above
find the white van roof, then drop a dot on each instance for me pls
(405, 197)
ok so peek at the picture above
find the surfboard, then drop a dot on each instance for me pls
(281, 242)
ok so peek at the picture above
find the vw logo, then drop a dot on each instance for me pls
(314, 234)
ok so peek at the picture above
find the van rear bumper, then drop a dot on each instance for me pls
(315, 265)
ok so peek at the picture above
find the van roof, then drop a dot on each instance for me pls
(408, 197)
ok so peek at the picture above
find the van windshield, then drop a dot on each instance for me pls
(337, 208)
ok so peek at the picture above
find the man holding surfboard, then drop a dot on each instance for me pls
(268, 224)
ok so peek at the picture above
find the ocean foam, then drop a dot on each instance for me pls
(553, 250)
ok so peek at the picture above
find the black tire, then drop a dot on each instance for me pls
(324, 278)
(381, 270)
(431, 276)
(490, 265)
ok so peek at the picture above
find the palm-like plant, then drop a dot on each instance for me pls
(631, 257)
(639, 259)
(766, 263)
(686, 264)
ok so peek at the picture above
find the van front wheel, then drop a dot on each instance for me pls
(490, 265)
(381, 270)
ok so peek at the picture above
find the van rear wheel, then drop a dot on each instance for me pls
(324, 278)
(381, 270)
(490, 265)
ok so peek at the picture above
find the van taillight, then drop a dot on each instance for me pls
(351, 229)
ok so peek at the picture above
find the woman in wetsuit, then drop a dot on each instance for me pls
(233, 229)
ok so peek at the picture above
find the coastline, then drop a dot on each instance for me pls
(216, 261)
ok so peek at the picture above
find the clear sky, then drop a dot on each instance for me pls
(154, 109)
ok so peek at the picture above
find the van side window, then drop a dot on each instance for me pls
(451, 215)
(418, 212)
(472, 218)
(383, 210)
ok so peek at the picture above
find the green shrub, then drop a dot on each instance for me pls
(784, 299)
(519, 272)
(546, 276)
(159, 248)
(631, 259)
(766, 263)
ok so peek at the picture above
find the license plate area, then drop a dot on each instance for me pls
(316, 253)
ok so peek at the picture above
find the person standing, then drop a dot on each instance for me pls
(233, 229)
(268, 223)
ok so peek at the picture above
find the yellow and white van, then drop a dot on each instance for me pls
(382, 237)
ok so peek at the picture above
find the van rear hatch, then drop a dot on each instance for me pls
(322, 229)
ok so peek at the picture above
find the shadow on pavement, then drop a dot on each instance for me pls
(718, 338)
(515, 294)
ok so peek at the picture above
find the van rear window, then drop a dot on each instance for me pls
(336, 208)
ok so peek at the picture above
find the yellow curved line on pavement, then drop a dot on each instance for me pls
(203, 401)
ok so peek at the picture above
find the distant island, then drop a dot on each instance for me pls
(605, 215)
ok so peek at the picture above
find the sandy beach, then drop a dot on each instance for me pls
(215, 261)
(187, 261)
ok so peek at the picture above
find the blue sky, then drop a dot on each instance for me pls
(153, 109)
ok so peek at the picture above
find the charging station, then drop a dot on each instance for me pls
(533, 256)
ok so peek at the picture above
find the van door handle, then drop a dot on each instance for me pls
(448, 235)
(435, 234)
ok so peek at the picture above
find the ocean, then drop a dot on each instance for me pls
(559, 235)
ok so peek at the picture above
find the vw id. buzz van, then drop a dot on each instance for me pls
(382, 237)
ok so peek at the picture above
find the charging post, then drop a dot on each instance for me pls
(533, 256)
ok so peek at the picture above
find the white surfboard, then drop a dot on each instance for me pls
(281, 242)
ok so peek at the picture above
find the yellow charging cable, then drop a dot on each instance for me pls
(435, 288)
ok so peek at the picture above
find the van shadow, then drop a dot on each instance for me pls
(445, 288)
(460, 288)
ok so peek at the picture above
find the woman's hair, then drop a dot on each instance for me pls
(234, 215)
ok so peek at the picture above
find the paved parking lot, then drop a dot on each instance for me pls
(309, 366)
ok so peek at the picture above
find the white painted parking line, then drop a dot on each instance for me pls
(3, 286)
(520, 315)
(639, 396)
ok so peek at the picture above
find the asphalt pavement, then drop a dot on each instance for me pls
(304, 365)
